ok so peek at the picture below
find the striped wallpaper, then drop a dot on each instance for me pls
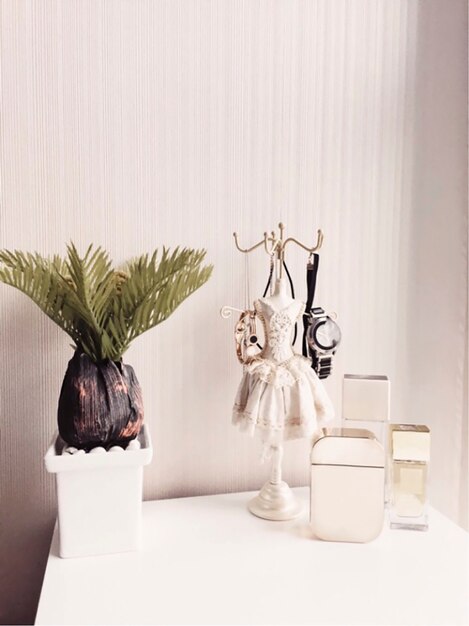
(138, 123)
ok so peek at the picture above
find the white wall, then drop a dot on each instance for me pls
(138, 123)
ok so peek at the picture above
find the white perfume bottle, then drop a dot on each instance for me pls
(409, 460)
(366, 402)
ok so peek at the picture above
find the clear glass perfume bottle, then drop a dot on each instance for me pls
(409, 460)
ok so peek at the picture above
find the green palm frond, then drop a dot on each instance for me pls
(44, 282)
(104, 309)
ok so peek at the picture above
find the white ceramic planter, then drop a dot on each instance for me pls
(99, 497)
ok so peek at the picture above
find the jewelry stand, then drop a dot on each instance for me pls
(276, 501)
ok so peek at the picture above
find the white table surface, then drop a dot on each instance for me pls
(207, 560)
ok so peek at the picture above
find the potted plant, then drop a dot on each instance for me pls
(102, 446)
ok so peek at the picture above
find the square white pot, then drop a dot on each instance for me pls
(99, 497)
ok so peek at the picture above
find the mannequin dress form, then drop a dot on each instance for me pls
(280, 397)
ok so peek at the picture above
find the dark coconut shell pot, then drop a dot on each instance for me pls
(100, 404)
(103, 309)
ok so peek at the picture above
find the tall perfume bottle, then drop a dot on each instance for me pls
(409, 460)
(366, 403)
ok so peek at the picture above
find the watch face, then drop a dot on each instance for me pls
(326, 334)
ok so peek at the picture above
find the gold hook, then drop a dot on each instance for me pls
(315, 248)
(281, 227)
(275, 243)
(246, 250)
(227, 311)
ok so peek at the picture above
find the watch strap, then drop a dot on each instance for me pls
(322, 364)
(311, 279)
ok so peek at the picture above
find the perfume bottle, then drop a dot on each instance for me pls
(409, 460)
(366, 403)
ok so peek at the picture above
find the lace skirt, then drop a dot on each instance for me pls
(281, 400)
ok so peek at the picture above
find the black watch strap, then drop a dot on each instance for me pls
(322, 365)
(311, 279)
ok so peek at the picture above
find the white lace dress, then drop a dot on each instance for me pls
(280, 395)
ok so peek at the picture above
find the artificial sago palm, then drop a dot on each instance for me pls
(103, 309)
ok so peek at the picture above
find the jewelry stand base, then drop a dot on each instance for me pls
(276, 502)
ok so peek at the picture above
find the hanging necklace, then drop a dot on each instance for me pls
(270, 282)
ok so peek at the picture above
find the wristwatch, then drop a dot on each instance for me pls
(323, 336)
